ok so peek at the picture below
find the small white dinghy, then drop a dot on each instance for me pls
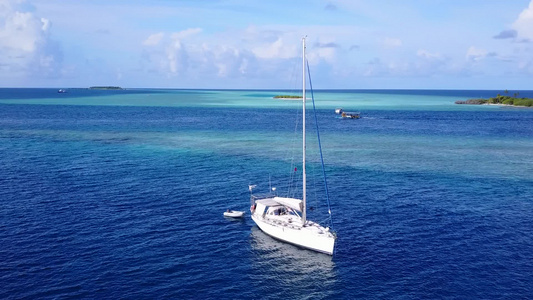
(234, 213)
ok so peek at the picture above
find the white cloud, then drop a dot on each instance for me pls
(432, 63)
(476, 54)
(524, 24)
(428, 55)
(46, 24)
(276, 49)
(177, 55)
(154, 39)
(21, 31)
(247, 54)
(422, 63)
(186, 33)
(392, 42)
(25, 45)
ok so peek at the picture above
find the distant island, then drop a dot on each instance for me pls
(105, 88)
(287, 97)
(500, 100)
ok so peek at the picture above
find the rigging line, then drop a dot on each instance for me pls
(291, 185)
(319, 144)
(314, 199)
(294, 182)
(293, 80)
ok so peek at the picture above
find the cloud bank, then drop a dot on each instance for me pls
(26, 47)
(524, 24)
(241, 44)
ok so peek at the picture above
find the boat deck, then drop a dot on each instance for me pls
(295, 222)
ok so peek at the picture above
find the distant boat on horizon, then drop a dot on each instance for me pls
(347, 114)
(61, 91)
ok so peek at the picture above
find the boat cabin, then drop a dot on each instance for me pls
(347, 114)
(278, 206)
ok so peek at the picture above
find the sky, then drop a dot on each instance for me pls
(250, 44)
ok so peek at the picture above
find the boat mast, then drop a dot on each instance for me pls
(304, 184)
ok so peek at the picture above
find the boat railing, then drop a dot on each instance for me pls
(263, 196)
(273, 221)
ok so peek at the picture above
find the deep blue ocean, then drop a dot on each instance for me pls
(120, 194)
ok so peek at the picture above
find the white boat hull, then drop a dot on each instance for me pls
(234, 214)
(313, 236)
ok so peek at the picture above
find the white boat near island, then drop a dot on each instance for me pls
(286, 218)
(348, 114)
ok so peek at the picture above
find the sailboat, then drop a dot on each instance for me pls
(285, 218)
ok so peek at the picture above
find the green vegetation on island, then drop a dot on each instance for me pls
(287, 97)
(105, 88)
(501, 100)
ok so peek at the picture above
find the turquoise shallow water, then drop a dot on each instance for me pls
(434, 100)
(111, 194)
